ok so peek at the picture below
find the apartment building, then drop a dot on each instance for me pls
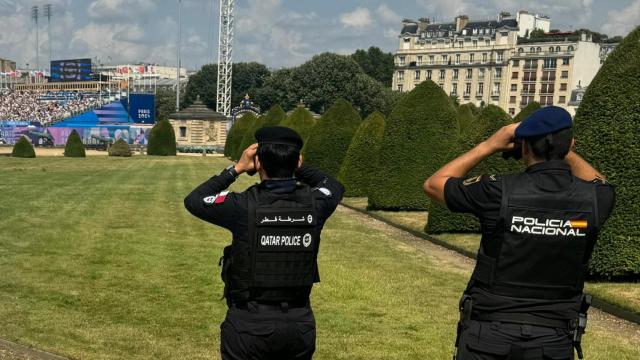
(468, 59)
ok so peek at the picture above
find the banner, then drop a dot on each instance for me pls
(142, 108)
(90, 135)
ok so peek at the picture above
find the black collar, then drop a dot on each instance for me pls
(552, 165)
(279, 185)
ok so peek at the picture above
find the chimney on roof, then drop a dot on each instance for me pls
(461, 22)
(406, 21)
(422, 23)
(504, 15)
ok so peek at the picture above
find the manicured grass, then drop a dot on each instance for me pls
(99, 260)
(624, 295)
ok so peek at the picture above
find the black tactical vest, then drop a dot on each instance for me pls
(280, 251)
(544, 241)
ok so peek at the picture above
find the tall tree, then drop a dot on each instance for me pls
(376, 63)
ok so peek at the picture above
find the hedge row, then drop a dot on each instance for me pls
(274, 116)
(120, 148)
(249, 137)
(300, 120)
(607, 125)
(236, 134)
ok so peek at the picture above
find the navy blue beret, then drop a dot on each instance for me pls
(279, 135)
(544, 121)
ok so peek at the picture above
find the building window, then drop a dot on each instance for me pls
(563, 87)
(516, 62)
(444, 59)
(548, 76)
(496, 89)
(529, 88)
(514, 87)
(551, 49)
(457, 58)
(461, 43)
(429, 74)
(562, 100)
(400, 87)
(467, 89)
(454, 89)
(530, 64)
(400, 75)
(546, 100)
(558, 49)
(455, 74)
(498, 73)
(499, 56)
(565, 61)
(484, 57)
(526, 100)
(547, 89)
(419, 60)
(441, 75)
(480, 88)
(538, 49)
(514, 75)
(487, 43)
(512, 99)
(475, 43)
(570, 48)
(471, 57)
(512, 111)
(549, 64)
(401, 60)
(532, 49)
(564, 75)
(431, 59)
(520, 50)
(469, 74)
(417, 75)
(183, 131)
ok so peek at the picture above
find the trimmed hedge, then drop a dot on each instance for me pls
(330, 138)
(274, 116)
(120, 148)
(23, 148)
(162, 139)
(491, 119)
(528, 110)
(359, 164)
(301, 120)
(249, 137)
(607, 125)
(419, 137)
(470, 127)
(238, 131)
(74, 146)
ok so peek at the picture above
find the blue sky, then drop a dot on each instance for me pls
(278, 33)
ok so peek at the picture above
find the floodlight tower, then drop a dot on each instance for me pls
(225, 50)
(34, 16)
(48, 13)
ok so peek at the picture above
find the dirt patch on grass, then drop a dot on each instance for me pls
(13, 351)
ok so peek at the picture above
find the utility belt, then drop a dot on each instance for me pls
(576, 326)
(256, 306)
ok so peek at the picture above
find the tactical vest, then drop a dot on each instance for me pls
(280, 250)
(545, 240)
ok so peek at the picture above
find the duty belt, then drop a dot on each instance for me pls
(280, 306)
(520, 318)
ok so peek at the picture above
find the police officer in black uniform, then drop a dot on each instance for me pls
(525, 298)
(270, 266)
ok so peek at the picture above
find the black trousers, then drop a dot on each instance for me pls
(262, 333)
(501, 341)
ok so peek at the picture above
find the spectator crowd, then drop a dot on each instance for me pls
(44, 107)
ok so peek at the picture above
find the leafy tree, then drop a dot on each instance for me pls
(277, 89)
(162, 139)
(528, 110)
(120, 148)
(274, 116)
(377, 64)
(330, 138)
(420, 135)
(537, 33)
(300, 120)
(366, 93)
(165, 104)
(236, 134)
(607, 125)
(356, 173)
(455, 100)
(74, 146)
(23, 148)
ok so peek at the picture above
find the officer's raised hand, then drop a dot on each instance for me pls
(247, 160)
(503, 139)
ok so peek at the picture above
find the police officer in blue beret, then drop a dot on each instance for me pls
(525, 297)
(271, 264)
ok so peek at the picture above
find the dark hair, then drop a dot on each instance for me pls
(278, 160)
(554, 146)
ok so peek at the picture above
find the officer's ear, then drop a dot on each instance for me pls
(300, 160)
(256, 163)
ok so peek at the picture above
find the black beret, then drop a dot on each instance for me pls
(279, 135)
(544, 121)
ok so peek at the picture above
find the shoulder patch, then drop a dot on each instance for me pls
(216, 199)
(471, 180)
(324, 191)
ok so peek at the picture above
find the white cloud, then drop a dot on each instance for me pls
(621, 22)
(387, 15)
(359, 18)
(101, 9)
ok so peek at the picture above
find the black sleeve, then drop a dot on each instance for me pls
(606, 200)
(327, 190)
(480, 195)
(211, 203)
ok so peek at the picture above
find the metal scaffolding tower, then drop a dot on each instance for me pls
(225, 50)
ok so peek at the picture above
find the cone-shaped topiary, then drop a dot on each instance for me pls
(249, 136)
(74, 146)
(238, 130)
(528, 110)
(120, 148)
(23, 148)
(301, 120)
(420, 135)
(607, 125)
(470, 127)
(162, 139)
(275, 116)
(330, 138)
(491, 119)
(359, 166)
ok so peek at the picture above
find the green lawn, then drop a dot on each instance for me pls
(99, 260)
(624, 295)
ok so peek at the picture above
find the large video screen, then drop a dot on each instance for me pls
(71, 70)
